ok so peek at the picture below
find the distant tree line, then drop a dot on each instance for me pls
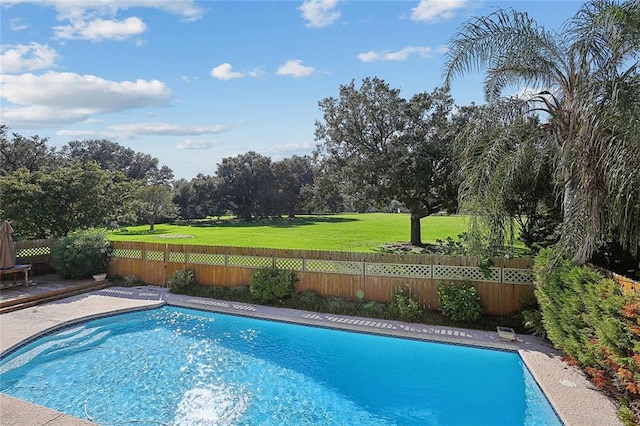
(98, 183)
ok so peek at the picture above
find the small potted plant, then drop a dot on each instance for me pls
(100, 277)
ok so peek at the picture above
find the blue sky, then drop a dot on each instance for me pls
(193, 82)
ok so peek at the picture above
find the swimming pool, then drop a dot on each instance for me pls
(179, 366)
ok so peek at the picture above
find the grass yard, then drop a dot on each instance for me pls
(341, 232)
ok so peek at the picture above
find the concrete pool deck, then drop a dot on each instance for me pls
(574, 398)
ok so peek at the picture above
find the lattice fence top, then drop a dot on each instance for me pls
(292, 264)
(155, 255)
(177, 257)
(471, 273)
(206, 258)
(128, 253)
(33, 252)
(250, 261)
(398, 270)
(517, 276)
(334, 266)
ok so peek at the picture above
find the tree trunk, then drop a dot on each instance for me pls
(152, 220)
(416, 233)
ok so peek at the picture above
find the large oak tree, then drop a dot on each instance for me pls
(386, 147)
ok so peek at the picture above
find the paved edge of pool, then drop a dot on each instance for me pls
(573, 397)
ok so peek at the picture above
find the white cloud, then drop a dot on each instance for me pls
(101, 29)
(398, 55)
(287, 150)
(431, 10)
(319, 13)
(39, 116)
(26, 57)
(96, 19)
(187, 9)
(196, 144)
(86, 134)
(225, 72)
(167, 129)
(295, 68)
(17, 24)
(54, 98)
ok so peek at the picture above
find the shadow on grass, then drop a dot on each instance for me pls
(144, 232)
(283, 222)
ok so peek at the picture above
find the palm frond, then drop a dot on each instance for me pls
(500, 42)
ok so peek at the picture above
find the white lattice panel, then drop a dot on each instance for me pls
(177, 257)
(292, 264)
(333, 266)
(471, 273)
(33, 251)
(155, 255)
(128, 253)
(250, 261)
(517, 276)
(398, 270)
(206, 258)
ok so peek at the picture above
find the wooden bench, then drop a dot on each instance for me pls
(14, 272)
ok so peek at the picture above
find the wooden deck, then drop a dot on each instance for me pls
(44, 288)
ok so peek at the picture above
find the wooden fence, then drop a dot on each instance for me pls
(627, 284)
(365, 276)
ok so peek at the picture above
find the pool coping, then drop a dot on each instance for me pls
(572, 396)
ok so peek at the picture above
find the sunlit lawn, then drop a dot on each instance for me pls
(342, 232)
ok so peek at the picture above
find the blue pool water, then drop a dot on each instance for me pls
(186, 367)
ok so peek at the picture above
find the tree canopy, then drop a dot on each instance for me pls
(53, 202)
(385, 147)
(112, 156)
(247, 184)
(17, 151)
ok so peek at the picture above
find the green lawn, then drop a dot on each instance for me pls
(342, 232)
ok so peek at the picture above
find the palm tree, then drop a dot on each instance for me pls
(585, 86)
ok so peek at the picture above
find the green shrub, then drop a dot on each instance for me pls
(240, 293)
(131, 281)
(532, 321)
(308, 300)
(460, 301)
(595, 324)
(82, 254)
(182, 281)
(528, 301)
(270, 284)
(405, 306)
